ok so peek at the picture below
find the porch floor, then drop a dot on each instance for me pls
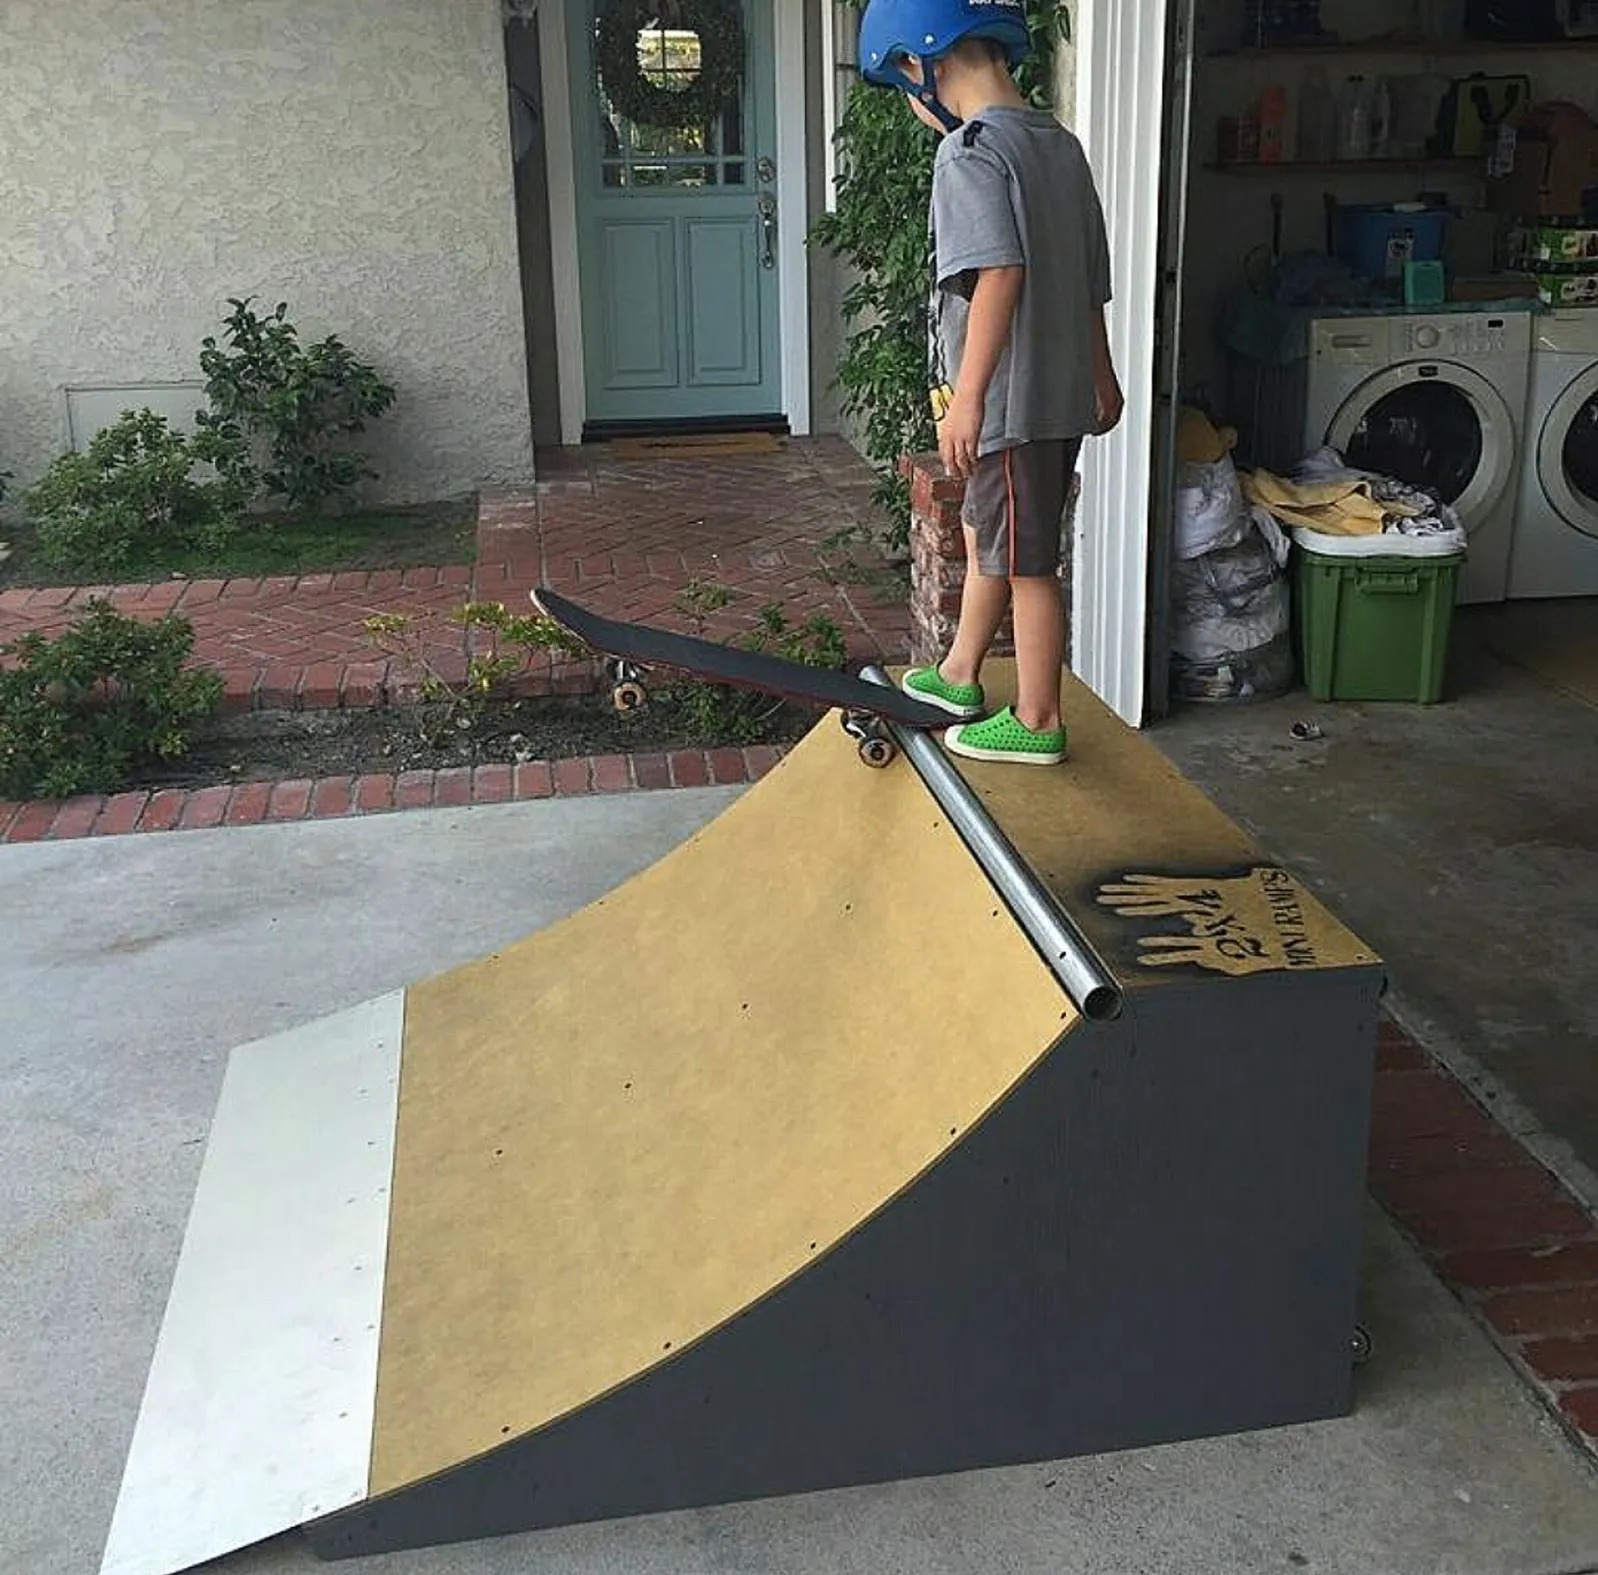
(794, 526)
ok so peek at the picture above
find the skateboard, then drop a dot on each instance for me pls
(632, 649)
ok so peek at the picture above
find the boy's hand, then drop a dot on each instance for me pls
(1108, 401)
(959, 434)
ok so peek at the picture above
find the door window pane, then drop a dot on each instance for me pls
(1426, 434)
(644, 157)
(1580, 453)
(669, 56)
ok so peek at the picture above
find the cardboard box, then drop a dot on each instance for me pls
(1558, 246)
(1546, 165)
(1567, 289)
(1494, 287)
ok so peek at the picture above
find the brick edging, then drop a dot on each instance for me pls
(1495, 1224)
(333, 798)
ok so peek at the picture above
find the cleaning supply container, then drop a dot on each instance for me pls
(1376, 240)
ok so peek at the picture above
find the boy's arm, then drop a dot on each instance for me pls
(986, 334)
(1106, 386)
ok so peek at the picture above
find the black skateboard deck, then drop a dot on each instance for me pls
(633, 647)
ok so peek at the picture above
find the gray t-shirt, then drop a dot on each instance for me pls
(1012, 186)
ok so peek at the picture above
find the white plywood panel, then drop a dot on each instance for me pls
(257, 1414)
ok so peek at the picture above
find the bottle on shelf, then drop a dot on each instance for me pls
(1317, 119)
(1381, 131)
(1354, 114)
(1273, 124)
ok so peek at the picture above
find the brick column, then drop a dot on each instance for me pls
(937, 557)
(937, 554)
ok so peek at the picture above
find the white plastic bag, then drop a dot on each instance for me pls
(1210, 511)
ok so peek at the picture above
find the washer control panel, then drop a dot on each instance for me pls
(1455, 338)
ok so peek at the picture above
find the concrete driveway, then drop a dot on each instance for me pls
(130, 966)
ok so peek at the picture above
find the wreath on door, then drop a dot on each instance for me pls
(640, 97)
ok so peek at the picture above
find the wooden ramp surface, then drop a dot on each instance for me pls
(620, 1133)
(1156, 876)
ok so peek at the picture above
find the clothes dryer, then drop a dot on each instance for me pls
(1555, 548)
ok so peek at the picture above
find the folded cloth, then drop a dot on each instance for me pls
(1344, 507)
(1414, 512)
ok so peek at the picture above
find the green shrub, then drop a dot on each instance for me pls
(280, 414)
(130, 495)
(452, 706)
(78, 713)
(734, 715)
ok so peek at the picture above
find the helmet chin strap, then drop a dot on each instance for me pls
(925, 92)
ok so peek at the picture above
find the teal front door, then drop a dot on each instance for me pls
(677, 240)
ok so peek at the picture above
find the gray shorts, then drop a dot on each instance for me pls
(1015, 503)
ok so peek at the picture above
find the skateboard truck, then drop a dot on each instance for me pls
(627, 692)
(871, 736)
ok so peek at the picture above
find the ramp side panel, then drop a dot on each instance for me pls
(257, 1413)
(1121, 809)
(1156, 1235)
(621, 1133)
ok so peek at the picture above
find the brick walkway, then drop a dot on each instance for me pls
(626, 536)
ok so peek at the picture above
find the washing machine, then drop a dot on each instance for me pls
(1555, 550)
(1436, 399)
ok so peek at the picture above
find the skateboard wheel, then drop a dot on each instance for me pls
(877, 752)
(629, 696)
(1359, 1344)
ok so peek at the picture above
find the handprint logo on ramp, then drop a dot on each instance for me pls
(1239, 924)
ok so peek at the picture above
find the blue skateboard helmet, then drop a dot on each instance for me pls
(929, 29)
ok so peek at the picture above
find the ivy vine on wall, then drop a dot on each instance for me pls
(879, 231)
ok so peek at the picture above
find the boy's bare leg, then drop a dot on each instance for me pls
(1039, 650)
(984, 600)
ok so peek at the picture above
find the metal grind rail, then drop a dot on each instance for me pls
(1090, 984)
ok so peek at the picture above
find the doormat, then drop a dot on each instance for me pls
(697, 445)
(1554, 641)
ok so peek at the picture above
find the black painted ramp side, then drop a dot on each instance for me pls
(1155, 1236)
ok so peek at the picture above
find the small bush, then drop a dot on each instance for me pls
(79, 713)
(280, 414)
(513, 640)
(736, 715)
(130, 495)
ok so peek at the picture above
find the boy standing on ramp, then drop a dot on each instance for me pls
(1019, 359)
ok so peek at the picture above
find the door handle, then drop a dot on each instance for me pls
(767, 206)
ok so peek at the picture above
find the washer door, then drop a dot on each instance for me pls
(1567, 453)
(1432, 424)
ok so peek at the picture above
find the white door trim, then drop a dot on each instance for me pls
(793, 257)
(1120, 95)
(558, 143)
(793, 212)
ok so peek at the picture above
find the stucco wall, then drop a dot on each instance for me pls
(348, 156)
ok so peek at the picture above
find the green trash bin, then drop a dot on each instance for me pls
(1374, 628)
